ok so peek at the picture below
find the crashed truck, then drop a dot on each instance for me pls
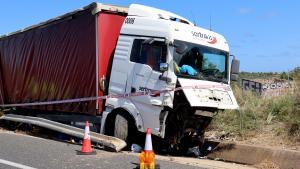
(123, 69)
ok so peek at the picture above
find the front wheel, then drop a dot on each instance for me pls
(121, 127)
(124, 128)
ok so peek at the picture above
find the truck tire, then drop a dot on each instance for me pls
(121, 127)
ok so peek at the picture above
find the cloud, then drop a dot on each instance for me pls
(285, 54)
(292, 54)
(244, 11)
(270, 15)
(235, 46)
(243, 54)
(293, 47)
(280, 54)
(263, 56)
(249, 35)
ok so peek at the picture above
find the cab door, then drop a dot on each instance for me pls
(146, 56)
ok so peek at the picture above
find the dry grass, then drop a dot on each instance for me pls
(278, 117)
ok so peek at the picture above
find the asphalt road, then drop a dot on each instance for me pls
(22, 151)
(28, 152)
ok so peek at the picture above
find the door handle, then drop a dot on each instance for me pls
(102, 83)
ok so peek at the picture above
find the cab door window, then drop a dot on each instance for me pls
(151, 54)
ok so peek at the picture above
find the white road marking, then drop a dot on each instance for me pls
(15, 164)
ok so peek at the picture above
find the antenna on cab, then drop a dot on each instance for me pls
(193, 17)
(210, 22)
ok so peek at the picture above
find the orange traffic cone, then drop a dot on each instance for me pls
(147, 157)
(86, 146)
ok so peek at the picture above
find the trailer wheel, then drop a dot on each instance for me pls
(121, 127)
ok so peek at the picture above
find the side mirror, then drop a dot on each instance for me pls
(235, 69)
(163, 67)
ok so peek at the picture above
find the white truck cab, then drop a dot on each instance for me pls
(164, 72)
(160, 51)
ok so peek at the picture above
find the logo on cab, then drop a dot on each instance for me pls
(206, 37)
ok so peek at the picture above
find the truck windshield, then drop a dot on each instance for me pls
(200, 62)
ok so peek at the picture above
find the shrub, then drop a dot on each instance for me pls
(256, 113)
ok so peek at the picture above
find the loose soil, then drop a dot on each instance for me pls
(267, 138)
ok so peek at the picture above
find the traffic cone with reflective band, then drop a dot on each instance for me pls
(86, 146)
(147, 157)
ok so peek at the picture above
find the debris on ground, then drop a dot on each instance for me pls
(136, 148)
(194, 151)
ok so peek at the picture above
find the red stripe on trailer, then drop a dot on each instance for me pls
(109, 26)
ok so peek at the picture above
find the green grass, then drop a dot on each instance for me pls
(258, 114)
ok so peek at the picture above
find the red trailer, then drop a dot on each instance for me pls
(63, 58)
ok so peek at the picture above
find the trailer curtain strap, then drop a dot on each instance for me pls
(148, 92)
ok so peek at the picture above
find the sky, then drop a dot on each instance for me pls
(263, 35)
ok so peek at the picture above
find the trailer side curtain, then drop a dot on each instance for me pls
(52, 62)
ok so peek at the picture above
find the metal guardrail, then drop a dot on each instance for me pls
(107, 141)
